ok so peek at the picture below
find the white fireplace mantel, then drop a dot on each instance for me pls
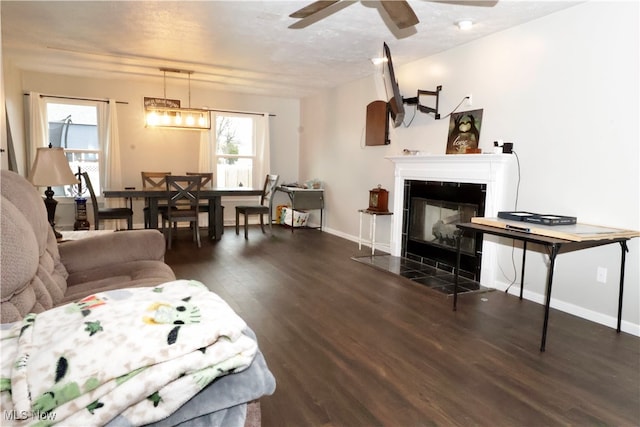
(497, 171)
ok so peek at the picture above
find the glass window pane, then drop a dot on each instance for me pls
(234, 135)
(87, 162)
(79, 114)
(73, 126)
(82, 136)
(232, 172)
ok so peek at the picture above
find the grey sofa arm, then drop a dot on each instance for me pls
(112, 248)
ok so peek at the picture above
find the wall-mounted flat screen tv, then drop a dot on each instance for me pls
(396, 104)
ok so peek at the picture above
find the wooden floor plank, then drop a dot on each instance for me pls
(351, 345)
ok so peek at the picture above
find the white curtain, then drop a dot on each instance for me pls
(205, 159)
(263, 149)
(110, 141)
(38, 127)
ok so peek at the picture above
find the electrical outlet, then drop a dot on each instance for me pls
(469, 98)
(601, 275)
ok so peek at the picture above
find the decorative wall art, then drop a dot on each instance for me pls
(161, 102)
(464, 132)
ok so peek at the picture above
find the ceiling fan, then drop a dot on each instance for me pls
(399, 11)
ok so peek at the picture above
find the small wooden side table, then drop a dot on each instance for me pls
(372, 227)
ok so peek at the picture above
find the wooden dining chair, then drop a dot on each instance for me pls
(153, 180)
(207, 178)
(183, 201)
(106, 213)
(207, 181)
(264, 208)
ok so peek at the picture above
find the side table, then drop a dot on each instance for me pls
(304, 199)
(372, 227)
(578, 237)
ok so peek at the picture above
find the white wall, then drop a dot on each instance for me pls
(161, 149)
(565, 90)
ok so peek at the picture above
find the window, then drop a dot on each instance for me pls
(73, 125)
(235, 153)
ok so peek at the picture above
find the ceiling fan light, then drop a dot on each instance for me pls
(465, 24)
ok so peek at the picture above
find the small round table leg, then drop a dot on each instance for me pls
(360, 233)
(373, 234)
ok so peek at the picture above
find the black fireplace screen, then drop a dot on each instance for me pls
(434, 222)
(432, 210)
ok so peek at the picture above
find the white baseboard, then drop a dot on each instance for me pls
(593, 316)
(383, 247)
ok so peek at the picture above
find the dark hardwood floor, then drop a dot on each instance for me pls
(350, 345)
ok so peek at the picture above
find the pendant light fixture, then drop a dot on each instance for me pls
(167, 113)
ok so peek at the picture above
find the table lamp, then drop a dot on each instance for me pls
(51, 169)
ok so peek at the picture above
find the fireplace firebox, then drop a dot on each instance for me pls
(431, 211)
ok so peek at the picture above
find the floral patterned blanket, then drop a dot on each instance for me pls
(139, 353)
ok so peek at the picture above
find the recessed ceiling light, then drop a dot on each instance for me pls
(465, 24)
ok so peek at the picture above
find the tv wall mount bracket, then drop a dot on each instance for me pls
(423, 108)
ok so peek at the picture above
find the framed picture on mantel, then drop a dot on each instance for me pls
(464, 132)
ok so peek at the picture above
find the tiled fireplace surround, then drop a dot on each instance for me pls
(497, 171)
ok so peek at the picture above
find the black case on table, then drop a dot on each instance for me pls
(545, 219)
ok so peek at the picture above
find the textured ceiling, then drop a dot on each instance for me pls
(241, 46)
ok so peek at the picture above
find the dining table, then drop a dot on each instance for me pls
(212, 195)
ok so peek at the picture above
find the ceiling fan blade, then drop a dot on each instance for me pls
(312, 8)
(400, 13)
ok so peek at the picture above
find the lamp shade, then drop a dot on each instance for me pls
(51, 168)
